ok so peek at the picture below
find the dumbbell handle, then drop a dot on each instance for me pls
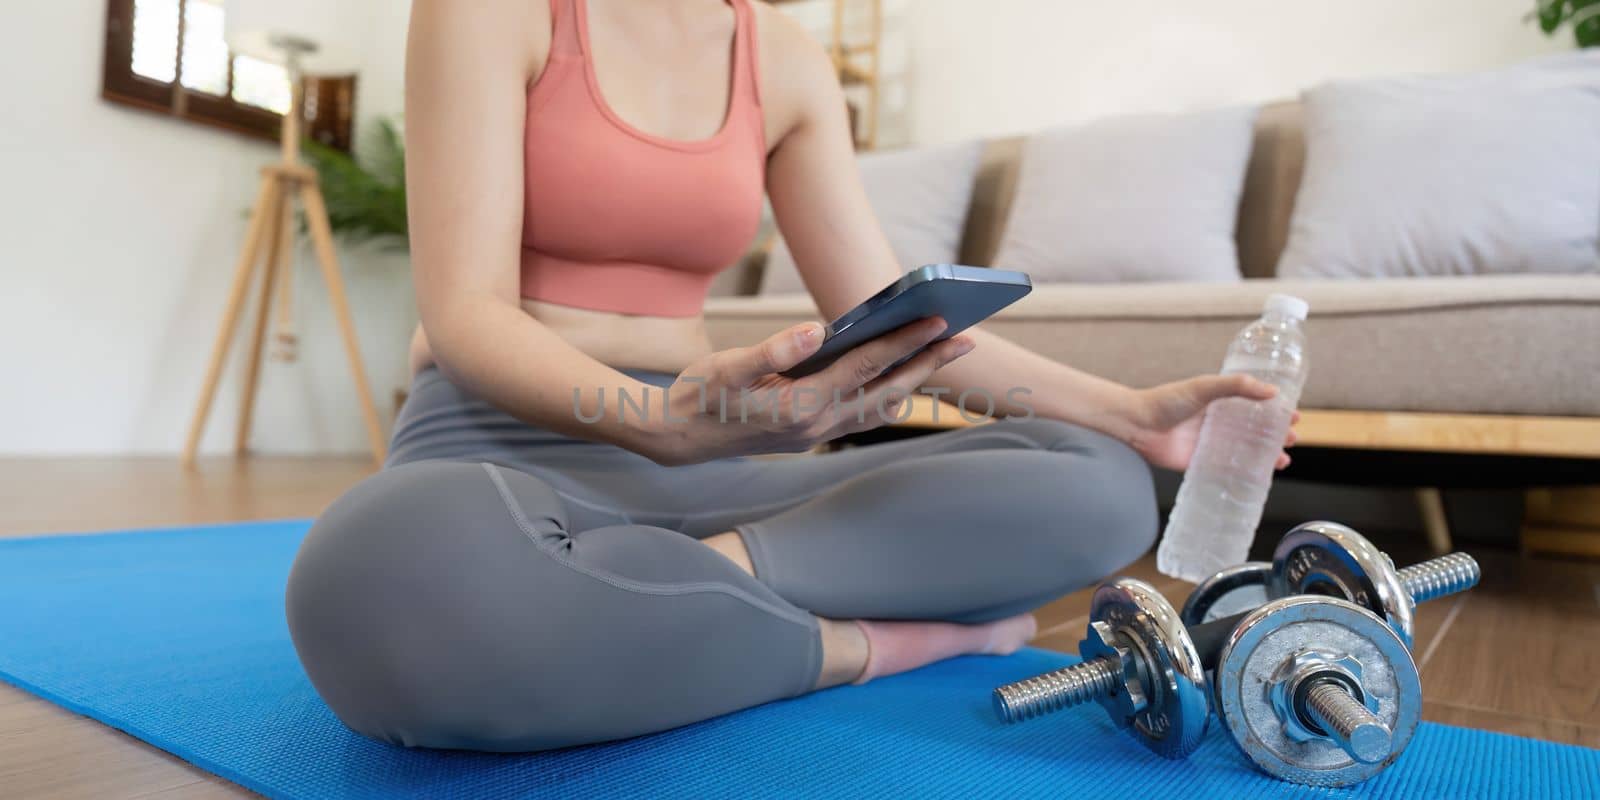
(1209, 637)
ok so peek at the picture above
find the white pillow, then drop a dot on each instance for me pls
(1134, 198)
(1452, 175)
(920, 196)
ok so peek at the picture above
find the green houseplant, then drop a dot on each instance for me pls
(1582, 15)
(366, 197)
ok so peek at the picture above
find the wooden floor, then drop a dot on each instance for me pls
(48, 752)
(1519, 654)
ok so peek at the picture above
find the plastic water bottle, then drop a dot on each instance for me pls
(1225, 488)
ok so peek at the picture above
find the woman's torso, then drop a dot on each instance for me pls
(670, 136)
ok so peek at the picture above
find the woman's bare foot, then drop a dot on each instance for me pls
(900, 646)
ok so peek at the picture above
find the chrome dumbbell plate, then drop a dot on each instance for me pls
(1326, 558)
(1265, 656)
(1134, 625)
(1228, 592)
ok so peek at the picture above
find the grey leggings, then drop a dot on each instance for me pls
(500, 587)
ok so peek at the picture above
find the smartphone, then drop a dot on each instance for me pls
(963, 296)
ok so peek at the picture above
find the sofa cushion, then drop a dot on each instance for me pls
(1511, 344)
(1276, 161)
(993, 189)
(920, 196)
(1135, 198)
(1271, 181)
(1452, 175)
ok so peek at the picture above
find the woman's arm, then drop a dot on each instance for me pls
(467, 73)
(844, 258)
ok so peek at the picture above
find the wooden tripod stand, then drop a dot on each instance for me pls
(272, 225)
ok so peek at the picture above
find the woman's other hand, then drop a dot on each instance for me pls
(735, 402)
(1166, 419)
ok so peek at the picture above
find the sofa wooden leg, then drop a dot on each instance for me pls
(1563, 522)
(1435, 525)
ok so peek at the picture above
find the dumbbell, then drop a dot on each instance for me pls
(1140, 663)
(1318, 690)
(1330, 559)
(1349, 689)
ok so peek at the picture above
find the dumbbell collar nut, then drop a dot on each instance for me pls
(1308, 665)
(1101, 640)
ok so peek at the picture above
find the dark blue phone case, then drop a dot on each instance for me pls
(963, 296)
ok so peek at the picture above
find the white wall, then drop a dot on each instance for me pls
(1006, 66)
(118, 234)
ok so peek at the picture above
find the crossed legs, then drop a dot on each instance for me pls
(461, 605)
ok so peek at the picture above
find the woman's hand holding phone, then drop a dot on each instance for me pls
(734, 402)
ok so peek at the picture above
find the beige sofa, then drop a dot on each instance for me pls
(1505, 364)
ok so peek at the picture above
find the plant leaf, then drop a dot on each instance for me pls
(1552, 13)
(1586, 22)
(365, 200)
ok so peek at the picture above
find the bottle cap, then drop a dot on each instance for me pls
(1287, 305)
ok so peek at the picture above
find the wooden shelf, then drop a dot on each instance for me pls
(1479, 434)
(856, 61)
(1485, 434)
(852, 75)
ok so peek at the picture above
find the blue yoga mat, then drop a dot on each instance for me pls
(178, 638)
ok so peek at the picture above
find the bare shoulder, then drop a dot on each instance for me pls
(797, 74)
(484, 30)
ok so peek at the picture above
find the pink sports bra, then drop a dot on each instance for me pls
(616, 219)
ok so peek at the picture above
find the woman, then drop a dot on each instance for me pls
(524, 575)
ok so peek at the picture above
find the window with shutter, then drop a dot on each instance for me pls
(170, 56)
